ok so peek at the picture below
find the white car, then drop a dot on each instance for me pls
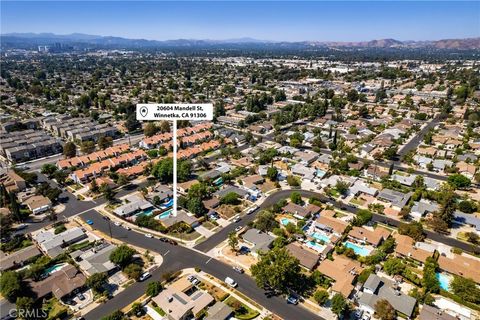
(144, 276)
(231, 282)
(238, 228)
(118, 224)
(237, 219)
(149, 235)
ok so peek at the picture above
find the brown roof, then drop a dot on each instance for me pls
(343, 271)
(461, 266)
(337, 225)
(59, 283)
(406, 247)
(307, 258)
(372, 237)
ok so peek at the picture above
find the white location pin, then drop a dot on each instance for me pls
(144, 111)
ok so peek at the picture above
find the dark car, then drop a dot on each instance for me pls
(172, 242)
(163, 239)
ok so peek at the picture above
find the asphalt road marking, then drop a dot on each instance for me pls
(208, 260)
(166, 253)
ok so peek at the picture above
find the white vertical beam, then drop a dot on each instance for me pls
(175, 167)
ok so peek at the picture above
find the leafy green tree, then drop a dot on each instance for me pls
(467, 206)
(11, 285)
(272, 173)
(321, 297)
(459, 181)
(430, 281)
(97, 281)
(265, 221)
(69, 150)
(233, 241)
(24, 304)
(107, 192)
(150, 129)
(363, 216)
(394, 266)
(122, 255)
(296, 197)
(230, 198)
(413, 229)
(154, 288)
(105, 142)
(87, 146)
(465, 289)
(48, 169)
(277, 269)
(339, 304)
(342, 187)
(133, 271)
(116, 315)
(293, 181)
(122, 180)
(384, 310)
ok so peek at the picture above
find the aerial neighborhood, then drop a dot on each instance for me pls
(325, 187)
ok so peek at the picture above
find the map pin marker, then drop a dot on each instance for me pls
(144, 111)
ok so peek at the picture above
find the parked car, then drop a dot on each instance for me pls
(193, 280)
(127, 227)
(292, 299)
(163, 239)
(149, 235)
(244, 250)
(144, 276)
(89, 222)
(238, 269)
(80, 296)
(237, 219)
(251, 210)
(231, 282)
(238, 228)
(106, 218)
(358, 313)
(172, 242)
(118, 224)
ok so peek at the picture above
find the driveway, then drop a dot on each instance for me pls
(204, 231)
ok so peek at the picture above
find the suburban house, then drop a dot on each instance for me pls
(406, 249)
(467, 219)
(377, 288)
(38, 204)
(373, 238)
(60, 283)
(54, 244)
(12, 181)
(431, 313)
(301, 212)
(96, 259)
(327, 222)
(179, 302)
(397, 199)
(343, 271)
(18, 258)
(461, 265)
(219, 311)
(181, 216)
(260, 241)
(423, 207)
(135, 205)
(307, 258)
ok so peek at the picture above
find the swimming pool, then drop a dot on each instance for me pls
(360, 250)
(285, 221)
(320, 173)
(147, 212)
(168, 204)
(444, 281)
(315, 246)
(53, 268)
(320, 236)
(164, 215)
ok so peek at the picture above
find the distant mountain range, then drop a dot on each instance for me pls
(25, 40)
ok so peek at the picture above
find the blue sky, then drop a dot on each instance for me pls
(287, 21)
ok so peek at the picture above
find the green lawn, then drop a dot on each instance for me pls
(159, 311)
(241, 311)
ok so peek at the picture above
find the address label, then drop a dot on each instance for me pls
(171, 111)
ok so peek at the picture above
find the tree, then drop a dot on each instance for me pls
(296, 197)
(277, 269)
(430, 281)
(293, 181)
(467, 206)
(133, 271)
(24, 304)
(10, 285)
(230, 198)
(472, 237)
(69, 150)
(154, 288)
(132, 123)
(413, 229)
(48, 169)
(87, 146)
(465, 289)
(342, 187)
(390, 169)
(94, 186)
(116, 315)
(363, 216)
(122, 255)
(60, 176)
(96, 281)
(233, 241)
(394, 266)
(391, 153)
(107, 192)
(265, 221)
(196, 206)
(150, 129)
(338, 304)
(459, 181)
(321, 297)
(272, 173)
(122, 180)
(105, 142)
(384, 310)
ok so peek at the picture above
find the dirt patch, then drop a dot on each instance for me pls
(228, 211)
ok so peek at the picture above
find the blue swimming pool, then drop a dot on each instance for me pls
(53, 268)
(164, 215)
(285, 221)
(358, 249)
(320, 236)
(444, 281)
(320, 173)
(167, 204)
(315, 246)
(147, 212)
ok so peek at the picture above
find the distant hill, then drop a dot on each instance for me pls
(30, 40)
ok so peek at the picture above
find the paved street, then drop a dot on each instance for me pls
(176, 258)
